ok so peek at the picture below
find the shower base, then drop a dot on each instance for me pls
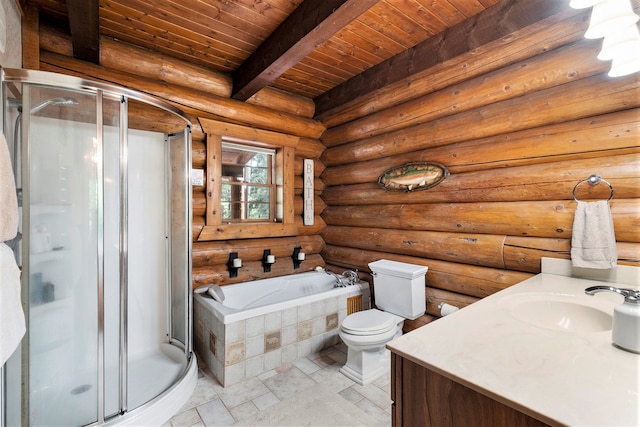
(165, 374)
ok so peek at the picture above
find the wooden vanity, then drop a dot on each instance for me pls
(424, 398)
(537, 353)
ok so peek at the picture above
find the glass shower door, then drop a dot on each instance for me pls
(62, 200)
(114, 281)
(180, 264)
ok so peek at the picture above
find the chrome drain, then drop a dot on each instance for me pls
(81, 389)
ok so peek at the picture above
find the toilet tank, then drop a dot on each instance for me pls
(399, 288)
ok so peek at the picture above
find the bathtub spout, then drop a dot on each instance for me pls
(339, 283)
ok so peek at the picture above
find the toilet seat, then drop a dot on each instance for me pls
(369, 322)
(366, 333)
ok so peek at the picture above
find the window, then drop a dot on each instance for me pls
(248, 192)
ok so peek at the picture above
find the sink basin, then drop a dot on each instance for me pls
(557, 312)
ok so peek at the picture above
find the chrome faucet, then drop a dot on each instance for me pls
(339, 283)
(352, 276)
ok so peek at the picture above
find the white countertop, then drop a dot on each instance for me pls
(571, 376)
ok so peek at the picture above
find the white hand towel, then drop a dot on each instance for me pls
(593, 243)
(12, 326)
(8, 199)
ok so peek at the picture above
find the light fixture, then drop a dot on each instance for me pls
(298, 256)
(615, 22)
(624, 66)
(583, 4)
(234, 264)
(608, 17)
(267, 260)
(623, 48)
(620, 44)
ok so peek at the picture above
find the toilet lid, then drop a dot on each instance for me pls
(369, 322)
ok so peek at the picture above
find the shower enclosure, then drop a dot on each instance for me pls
(104, 247)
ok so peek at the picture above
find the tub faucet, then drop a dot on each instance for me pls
(339, 283)
(352, 277)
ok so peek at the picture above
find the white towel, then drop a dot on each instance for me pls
(8, 199)
(593, 242)
(12, 326)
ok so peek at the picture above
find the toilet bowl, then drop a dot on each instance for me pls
(366, 334)
(399, 290)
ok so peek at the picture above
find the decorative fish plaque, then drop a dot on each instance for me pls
(413, 176)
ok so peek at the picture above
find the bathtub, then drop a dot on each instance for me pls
(267, 323)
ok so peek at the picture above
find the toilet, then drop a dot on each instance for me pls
(399, 295)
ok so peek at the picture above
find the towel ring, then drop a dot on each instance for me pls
(593, 180)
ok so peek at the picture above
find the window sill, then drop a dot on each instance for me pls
(246, 231)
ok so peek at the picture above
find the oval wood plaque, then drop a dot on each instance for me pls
(413, 176)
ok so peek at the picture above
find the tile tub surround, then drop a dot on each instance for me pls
(247, 348)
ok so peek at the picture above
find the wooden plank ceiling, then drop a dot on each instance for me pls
(306, 48)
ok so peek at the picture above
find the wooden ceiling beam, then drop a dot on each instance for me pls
(492, 24)
(310, 25)
(84, 22)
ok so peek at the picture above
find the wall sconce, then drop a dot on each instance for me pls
(234, 264)
(583, 4)
(622, 48)
(267, 260)
(614, 21)
(608, 17)
(620, 42)
(298, 256)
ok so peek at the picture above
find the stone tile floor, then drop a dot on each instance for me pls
(213, 405)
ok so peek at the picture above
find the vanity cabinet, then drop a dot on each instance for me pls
(422, 397)
(536, 352)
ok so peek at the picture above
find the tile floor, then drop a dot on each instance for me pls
(213, 405)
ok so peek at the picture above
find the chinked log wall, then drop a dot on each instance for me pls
(203, 93)
(518, 124)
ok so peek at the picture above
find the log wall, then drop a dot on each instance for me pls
(516, 136)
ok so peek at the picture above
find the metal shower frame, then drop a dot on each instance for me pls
(31, 77)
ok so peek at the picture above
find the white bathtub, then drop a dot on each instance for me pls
(249, 299)
(266, 323)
